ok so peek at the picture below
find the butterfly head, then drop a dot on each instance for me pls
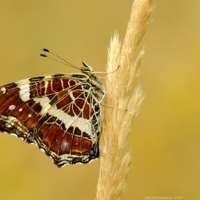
(86, 69)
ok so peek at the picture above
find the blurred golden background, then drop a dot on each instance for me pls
(165, 138)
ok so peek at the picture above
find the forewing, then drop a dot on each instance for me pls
(57, 112)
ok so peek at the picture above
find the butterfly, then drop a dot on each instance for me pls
(60, 113)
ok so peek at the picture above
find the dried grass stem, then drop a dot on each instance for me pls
(122, 93)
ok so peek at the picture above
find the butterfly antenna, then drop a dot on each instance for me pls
(59, 59)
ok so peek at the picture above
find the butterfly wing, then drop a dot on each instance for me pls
(59, 113)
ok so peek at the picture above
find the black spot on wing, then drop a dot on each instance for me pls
(36, 79)
(58, 76)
